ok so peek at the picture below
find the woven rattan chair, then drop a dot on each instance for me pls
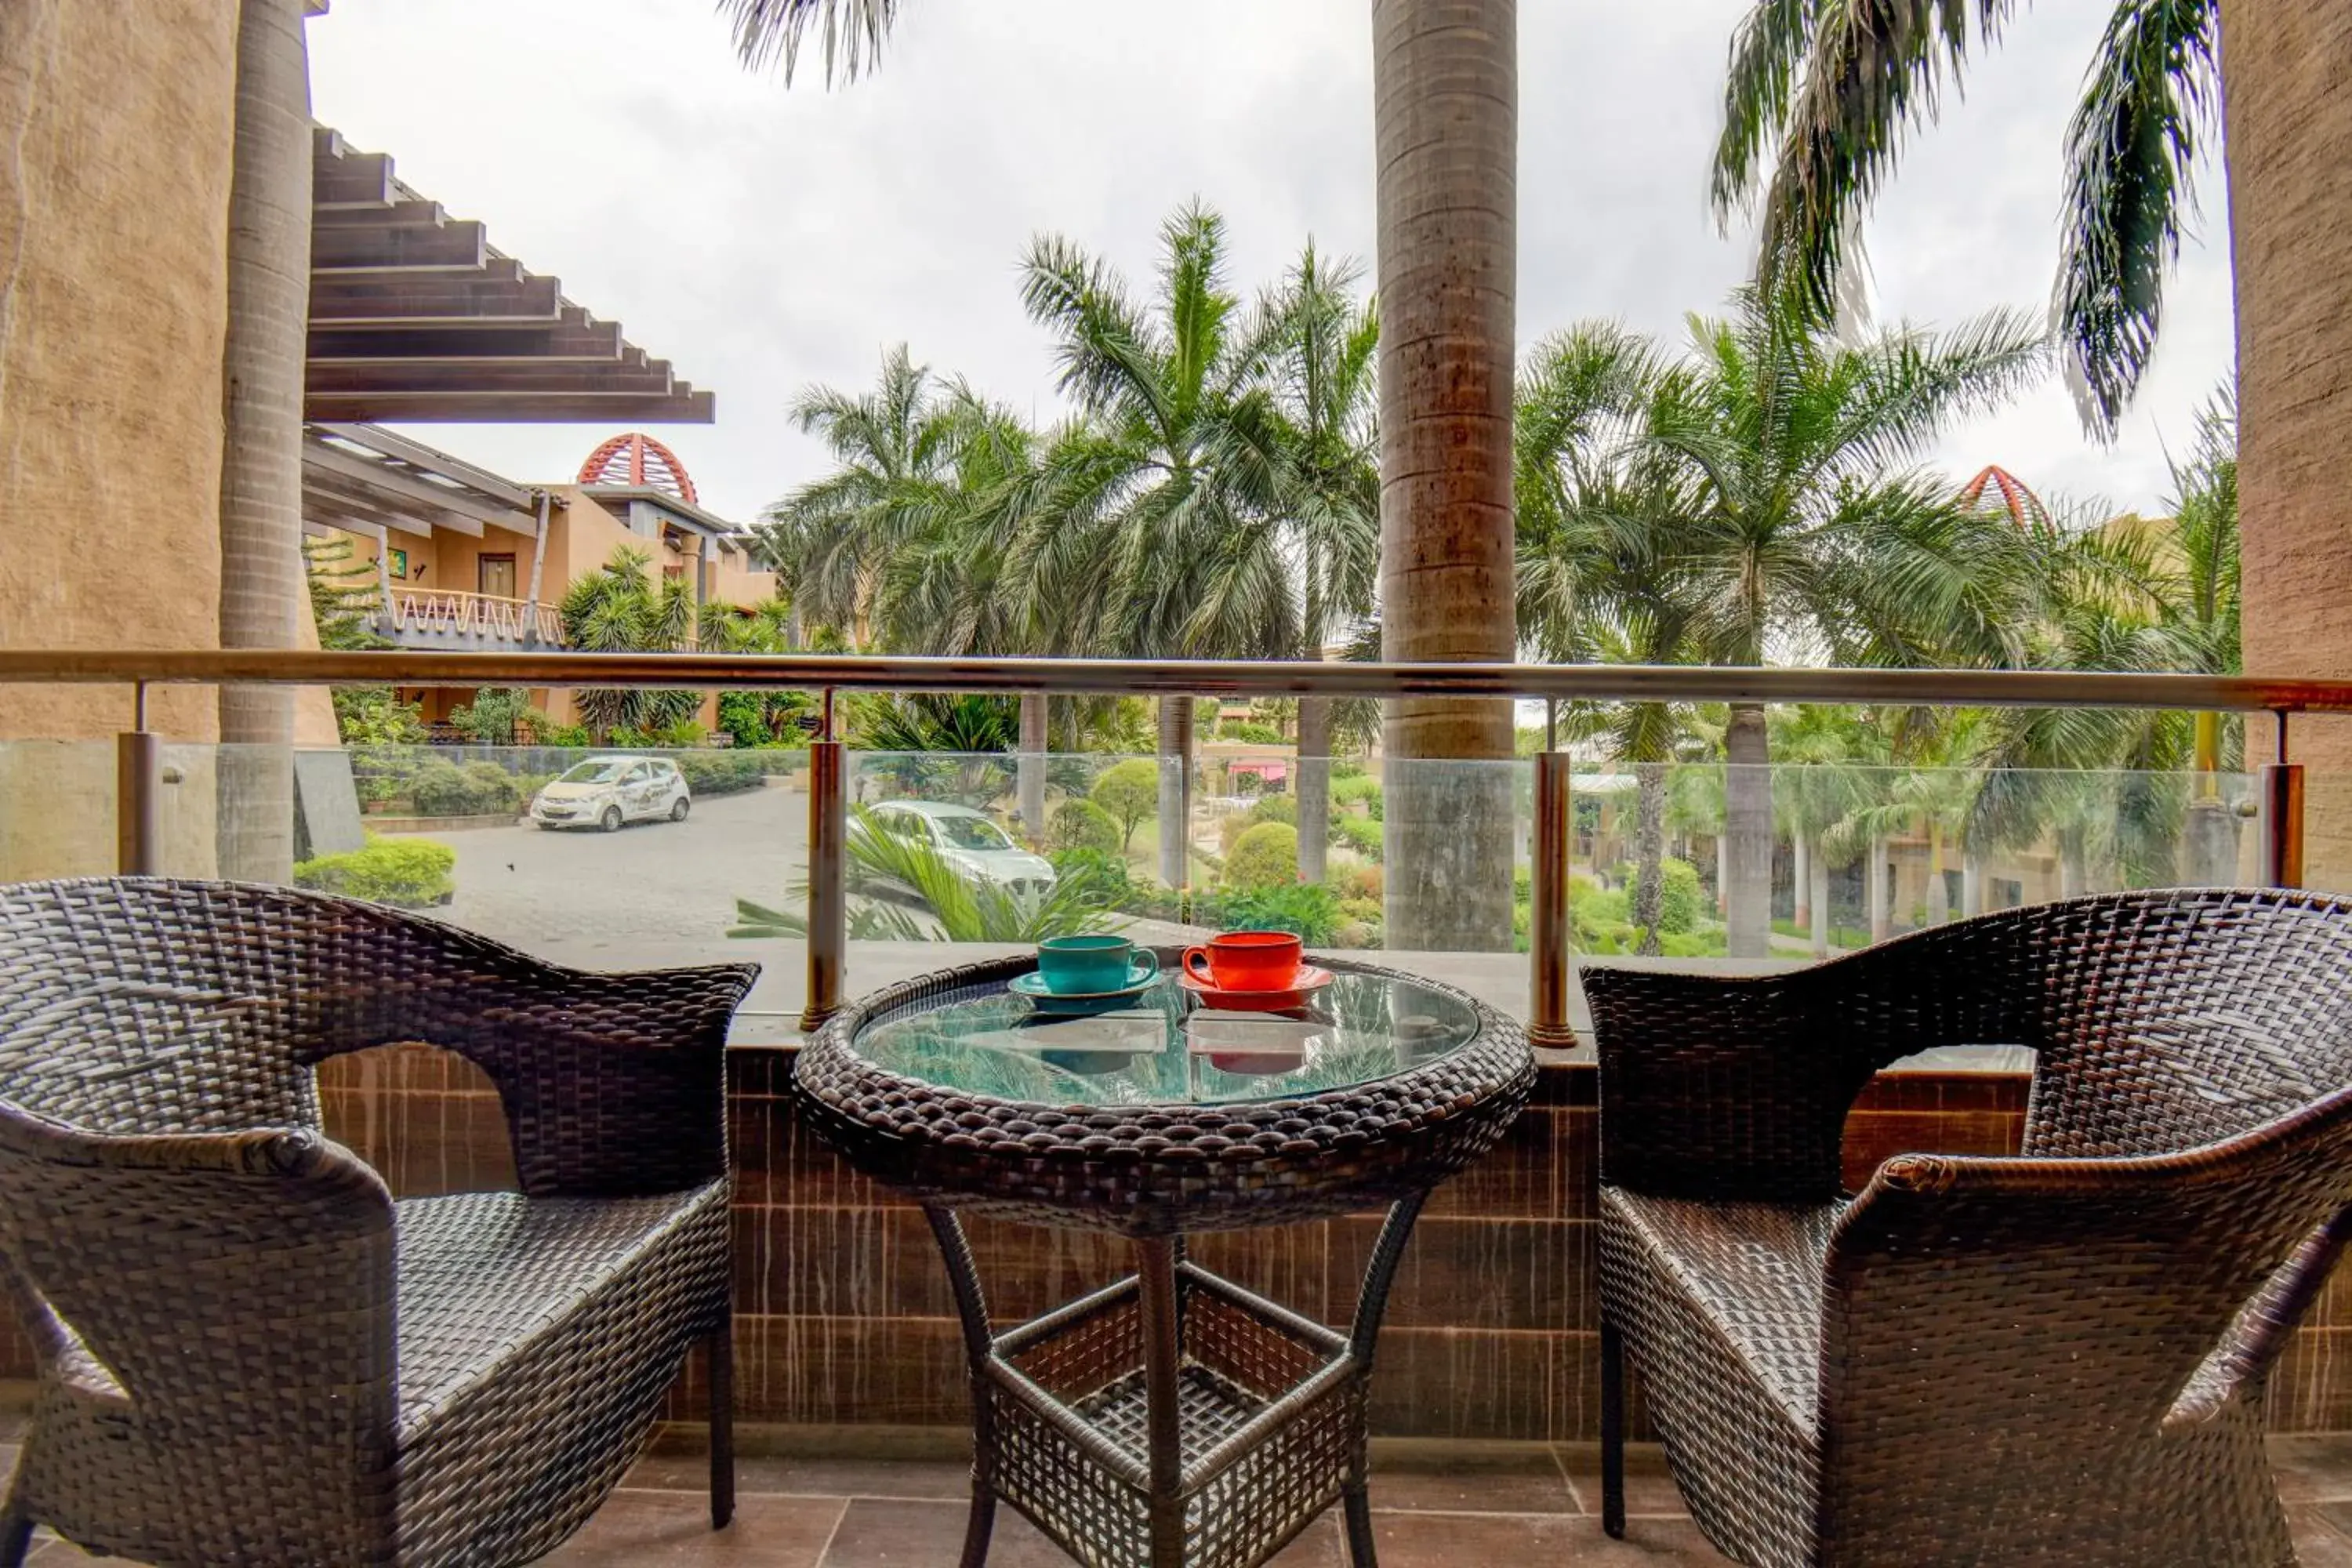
(250, 1353)
(2057, 1358)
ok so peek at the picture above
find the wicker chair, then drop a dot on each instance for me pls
(249, 1352)
(2057, 1358)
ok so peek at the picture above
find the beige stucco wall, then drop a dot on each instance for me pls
(113, 212)
(113, 207)
(2290, 156)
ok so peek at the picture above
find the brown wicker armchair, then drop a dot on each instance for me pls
(249, 1352)
(2057, 1358)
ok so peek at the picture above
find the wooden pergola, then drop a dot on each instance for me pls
(415, 317)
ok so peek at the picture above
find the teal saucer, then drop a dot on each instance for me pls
(1077, 1003)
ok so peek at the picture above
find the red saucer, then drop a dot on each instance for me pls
(1308, 981)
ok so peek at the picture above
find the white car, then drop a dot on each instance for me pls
(605, 791)
(967, 841)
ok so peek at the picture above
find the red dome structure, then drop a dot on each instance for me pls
(2016, 499)
(640, 462)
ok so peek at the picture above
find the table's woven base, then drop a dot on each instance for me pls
(1242, 1370)
(1210, 1407)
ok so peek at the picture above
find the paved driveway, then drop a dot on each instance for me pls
(663, 893)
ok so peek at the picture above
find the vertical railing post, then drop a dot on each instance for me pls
(138, 794)
(828, 902)
(2280, 818)
(1547, 923)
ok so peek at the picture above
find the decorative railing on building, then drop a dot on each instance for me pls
(471, 617)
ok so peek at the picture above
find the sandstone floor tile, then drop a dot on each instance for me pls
(673, 1529)
(1469, 1477)
(1649, 1488)
(2313, 1468)
(1452, 1540)
(936, 1480)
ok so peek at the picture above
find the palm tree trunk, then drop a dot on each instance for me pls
(1722, 871)
(1446, 126)
(1314, 788)
(1031, 766)
(1940, 890)
(2290, 170)
(1801, 884)
(1748, 831)
(1817, 906)
(1971, 884)
(1649, 850)
(1175, 789)
(2073, 870)
(1882, 918)
(261, 438)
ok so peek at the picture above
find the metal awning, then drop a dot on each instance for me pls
(415, 317)
(362, 479)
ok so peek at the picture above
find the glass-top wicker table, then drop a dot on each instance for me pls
(1173, 1419)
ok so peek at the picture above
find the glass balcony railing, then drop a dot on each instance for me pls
(639, 858)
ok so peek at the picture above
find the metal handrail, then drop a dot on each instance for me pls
(1206, 678)
(139, 769)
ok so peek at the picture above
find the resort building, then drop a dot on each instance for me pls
(466, 559)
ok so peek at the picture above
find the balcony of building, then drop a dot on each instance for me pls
(855, 1447)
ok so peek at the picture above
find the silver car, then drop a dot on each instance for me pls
(967, 841)
(607, 792)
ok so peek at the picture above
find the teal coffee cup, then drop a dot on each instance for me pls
(1091, 965)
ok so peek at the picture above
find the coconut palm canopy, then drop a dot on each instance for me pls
(1820, 98)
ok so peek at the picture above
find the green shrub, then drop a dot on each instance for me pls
(1601, 906)
(409, 873)
(1130, 792)
(1082, 824)
(681, 736)
(1678, 897)
(443, 788)
(1359, 834)
(721, 772)
(1309, 912)
(1359, 790)
(493, 716)
(1276, 808)
(1365, 883)
(566, 737)
(1251, 731)
(1230, 828)
(1342, 771)
(1100, 872)
(1266, 855)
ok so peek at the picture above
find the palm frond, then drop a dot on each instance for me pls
(2153, 96)
(850, 32)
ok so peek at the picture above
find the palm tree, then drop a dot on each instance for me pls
(1445, 134)
(618, 609)
(1320, 345)
(1159, 538)
(1446, 126)
(962, 907)
(1822, 95)
(1600, 511)
(1806, 534)
(2133, 595)
(1821, 780)
(263, 365)
(831, 540)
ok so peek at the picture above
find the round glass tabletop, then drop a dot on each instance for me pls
(1165, 1047)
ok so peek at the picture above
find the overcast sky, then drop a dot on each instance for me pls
(762, 240)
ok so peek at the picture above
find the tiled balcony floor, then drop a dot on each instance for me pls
(1435, 1506)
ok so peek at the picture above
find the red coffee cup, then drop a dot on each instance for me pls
(1246, 961)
